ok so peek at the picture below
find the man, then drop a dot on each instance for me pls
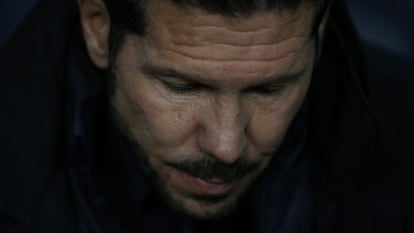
(194, 116)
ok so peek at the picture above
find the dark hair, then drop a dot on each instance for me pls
(129, 16)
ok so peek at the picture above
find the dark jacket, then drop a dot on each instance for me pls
(360, 135)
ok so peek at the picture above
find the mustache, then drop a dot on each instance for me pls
(208, 167)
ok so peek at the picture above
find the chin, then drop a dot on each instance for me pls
(205, 208)
(208, 208)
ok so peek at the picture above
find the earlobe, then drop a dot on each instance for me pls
(95, 23)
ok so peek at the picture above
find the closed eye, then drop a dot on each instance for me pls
(269, 90)
(182, 87)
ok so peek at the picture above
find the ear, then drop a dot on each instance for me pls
(95, 23)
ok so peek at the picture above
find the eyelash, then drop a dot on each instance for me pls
(182, 88)
(269, 91)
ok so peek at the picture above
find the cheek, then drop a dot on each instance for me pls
(149, 115)
(269, 124)
(268, 129)
(153, 120)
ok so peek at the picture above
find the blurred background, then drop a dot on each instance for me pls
(11, 14)
(388, 25)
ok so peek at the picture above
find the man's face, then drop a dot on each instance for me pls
(208, 99)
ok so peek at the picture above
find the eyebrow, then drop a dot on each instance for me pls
(172, 73)
(159, 73)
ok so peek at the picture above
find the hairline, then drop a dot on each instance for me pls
(117, 37)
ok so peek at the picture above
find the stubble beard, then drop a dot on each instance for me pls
(159, 185)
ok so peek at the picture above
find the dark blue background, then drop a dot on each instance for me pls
(11, 14)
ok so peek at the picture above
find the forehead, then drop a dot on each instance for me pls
(213, 45)
(164, 12)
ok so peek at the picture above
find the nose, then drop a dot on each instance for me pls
(223, 132)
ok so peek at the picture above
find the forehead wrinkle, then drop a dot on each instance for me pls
(175, 33)
(240, 42)
(172, 58)
(192, 26)
(214, 34)
(224, 52)
(233, 58)
(229, 74)
(236, 44)
(248, 67)
(200, 18)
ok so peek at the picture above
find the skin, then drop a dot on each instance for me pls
(206, 86)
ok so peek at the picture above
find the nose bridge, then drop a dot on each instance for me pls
(224, 134)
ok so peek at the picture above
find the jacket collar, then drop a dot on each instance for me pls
(344, 128)
(345, 132)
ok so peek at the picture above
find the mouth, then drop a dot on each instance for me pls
(201, 187)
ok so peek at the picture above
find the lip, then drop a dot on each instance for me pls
(194, 185)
